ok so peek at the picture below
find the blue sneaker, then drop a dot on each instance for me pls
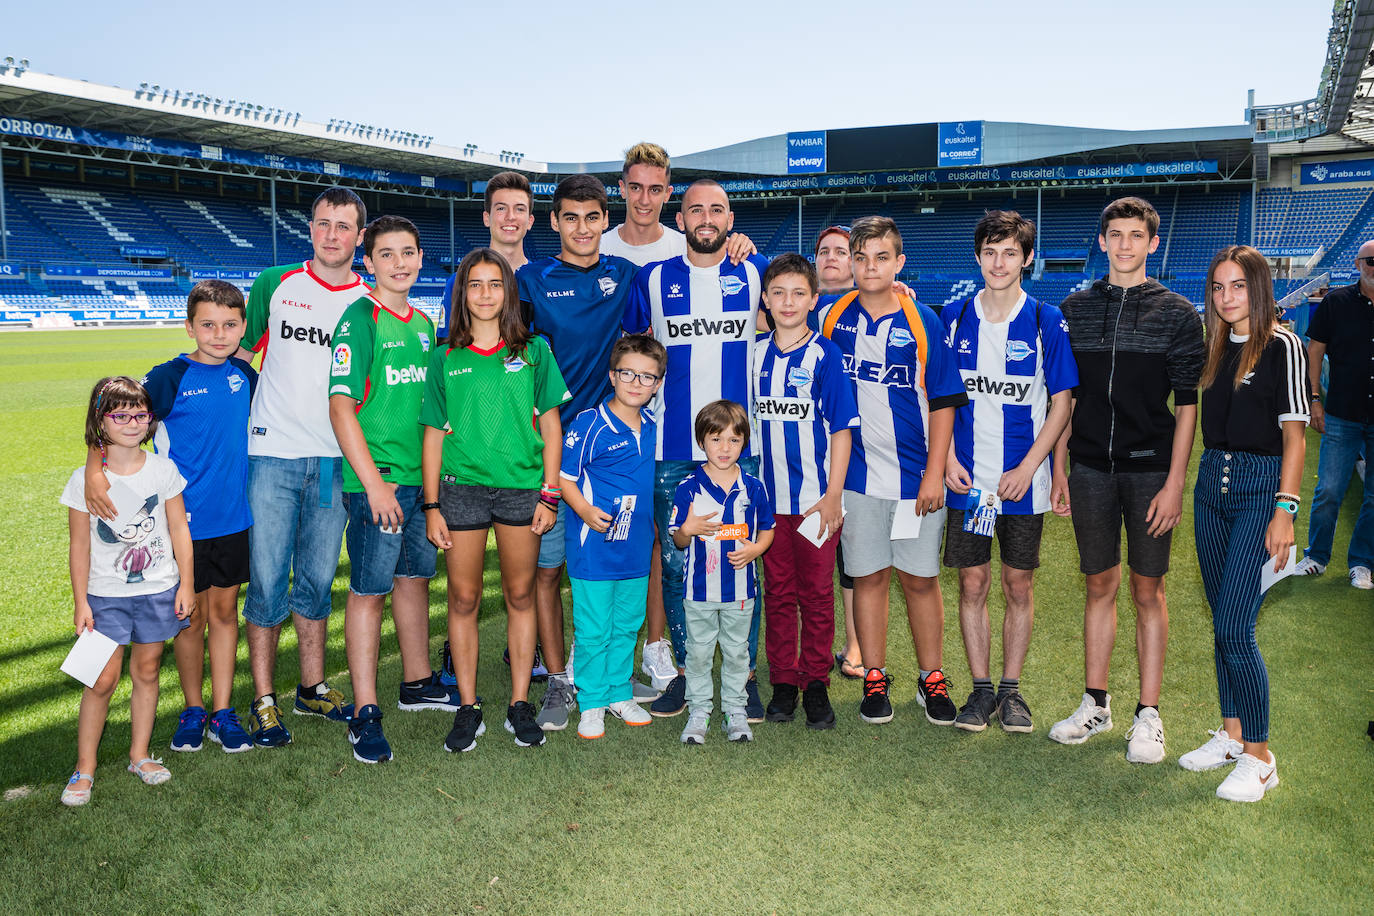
(430, 694)
(537, 671)
(323, 701)
(674, 699)
(228, 733)
(264, 723)
(447, 676)
(365, 734)
(190, 733)
(753, 706)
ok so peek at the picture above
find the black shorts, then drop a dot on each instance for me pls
(466, 507)
(221, 562)
(1018, 541)
(1101, 504)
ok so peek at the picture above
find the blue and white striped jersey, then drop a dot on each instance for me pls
(800, 399)
(743, 512)
(901, 372)
(1010, 369)
(705, 317)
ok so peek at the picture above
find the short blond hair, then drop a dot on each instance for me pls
(645, 153)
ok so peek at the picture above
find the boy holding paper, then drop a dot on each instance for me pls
(907, 390)
(805, 408)
(1013, 353)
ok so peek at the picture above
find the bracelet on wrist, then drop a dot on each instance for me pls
(1292, 497)
(425, 507)
(548, 502)
(1287, 505)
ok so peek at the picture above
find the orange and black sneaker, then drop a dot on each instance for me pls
(876, 708)
(933, 694)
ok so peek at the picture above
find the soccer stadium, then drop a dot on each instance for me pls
(115, 202)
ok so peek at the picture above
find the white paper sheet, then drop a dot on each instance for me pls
(1267, 575)
(89, 656)
(906, 524)
(810, 527)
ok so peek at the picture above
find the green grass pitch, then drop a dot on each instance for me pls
(860, 819)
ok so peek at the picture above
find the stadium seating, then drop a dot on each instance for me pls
(54, 220)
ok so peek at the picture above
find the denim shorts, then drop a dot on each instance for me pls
(466, 507)
(298, 526)
(376, 557)
(552, 548)
(138, 618)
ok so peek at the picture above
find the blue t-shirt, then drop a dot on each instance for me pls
(1009, 368)
(743, 512)
(705, 317)
(613, 468)
(579, 311)
(203, 427)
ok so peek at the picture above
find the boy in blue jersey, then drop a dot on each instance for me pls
(804, 405)
(608, 473)
(202, 399)
(1013, 353)
(704, 310)
(907, 390)
(722, 520)
(576, 300)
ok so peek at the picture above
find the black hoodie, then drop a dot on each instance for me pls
(1133, 345)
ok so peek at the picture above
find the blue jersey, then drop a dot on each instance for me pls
(612, 466)
(203, 428)
(800, 399)
(743, 512)
(901, 372)
(705, 317)
(579, 311)
(1009, 368)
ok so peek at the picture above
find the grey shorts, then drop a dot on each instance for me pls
(470, 508)
(1102, 503)
(866, 538)
(1018, 542)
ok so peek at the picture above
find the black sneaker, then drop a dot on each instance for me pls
(933, 694)
(1013, 712)
(753, 704)
(977, 711)
(783, 706)
(520, 723)
(876, 708)
(365, 734)
(673, 700)
(816, 702)
(467, 726)
(428, 694)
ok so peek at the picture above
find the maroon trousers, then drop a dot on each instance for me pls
(798, 605)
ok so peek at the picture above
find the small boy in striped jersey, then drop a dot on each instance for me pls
(722, 520)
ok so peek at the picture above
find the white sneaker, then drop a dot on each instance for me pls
(695, 730)
(1221, 750)
(1308, 567)
(593, 723)
(1145, 737)
(630, 712)
(1087, 720)
(1250, 779)
(1360, 578)
(736, 725)
(658, 663)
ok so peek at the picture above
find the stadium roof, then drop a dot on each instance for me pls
(1351, 75)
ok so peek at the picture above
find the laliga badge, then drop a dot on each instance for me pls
(982, 517)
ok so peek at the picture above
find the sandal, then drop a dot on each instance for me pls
(150, 777)
(75, 798)
(848, 669)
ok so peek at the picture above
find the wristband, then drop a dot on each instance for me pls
(1287, 505)
(546, 490)
(1291, 497)
(549, 501)
(425, 507)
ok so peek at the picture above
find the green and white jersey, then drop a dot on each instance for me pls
(380, 361)
(488, 402)
(292, 314)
